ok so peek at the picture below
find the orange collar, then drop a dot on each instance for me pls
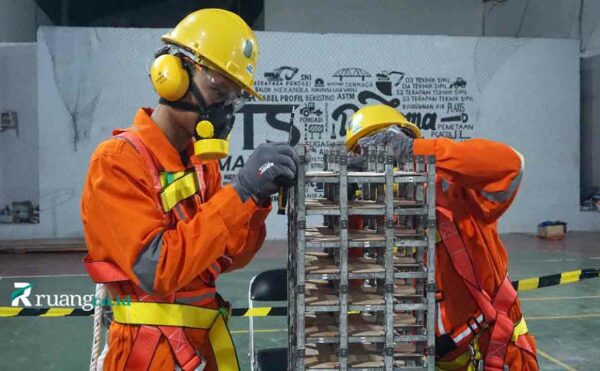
(157, 142)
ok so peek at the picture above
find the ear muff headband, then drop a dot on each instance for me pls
(169, 76)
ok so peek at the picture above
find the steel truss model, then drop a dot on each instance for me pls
(361, 273)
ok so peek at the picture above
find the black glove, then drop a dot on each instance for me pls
(402, 144)
(355, 162)
(271, 166)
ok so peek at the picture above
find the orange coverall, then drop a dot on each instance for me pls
(123, 224)
(477, 180)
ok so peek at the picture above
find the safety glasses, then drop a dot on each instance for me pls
(226, 91)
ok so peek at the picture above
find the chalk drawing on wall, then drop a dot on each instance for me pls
(75, 81)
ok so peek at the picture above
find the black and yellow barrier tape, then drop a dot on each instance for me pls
(259, 312)
(526, 284)
(564, 278)
(78, 312)
(43, 312)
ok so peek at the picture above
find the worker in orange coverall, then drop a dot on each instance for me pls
(158, 224)
(479, 323)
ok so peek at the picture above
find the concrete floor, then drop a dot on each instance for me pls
(564, 319)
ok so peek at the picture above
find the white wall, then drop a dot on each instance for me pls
(19, 155)
(525, 93)
(512, 18)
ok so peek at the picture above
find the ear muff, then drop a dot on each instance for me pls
(169, 77)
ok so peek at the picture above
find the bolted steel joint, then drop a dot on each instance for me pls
(343, 159)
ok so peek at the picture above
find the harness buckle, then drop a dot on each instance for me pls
(472, 359)
(476, 359)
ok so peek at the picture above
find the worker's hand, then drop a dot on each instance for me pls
(271, 166)
(402, 144)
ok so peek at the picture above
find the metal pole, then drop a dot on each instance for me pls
(300, 262)
(343, 197)
(431, 237)
(389, 260)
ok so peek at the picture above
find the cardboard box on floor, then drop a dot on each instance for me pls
(552, 232)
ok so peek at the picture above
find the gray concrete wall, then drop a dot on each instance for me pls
(19, 155)
(590, 122)
(19, 20)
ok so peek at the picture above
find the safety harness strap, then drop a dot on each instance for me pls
(222, 345)
(146, 342)
(144, 347)
(182, 348)
(151, 164)
(165, 314)
(468, 358)
(148, 337)
(156, 319)
(170, 188)
(169, 317)
(502, 329)
(496, 311)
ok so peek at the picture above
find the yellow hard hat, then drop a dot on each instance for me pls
(370, 119)
(220, 40)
